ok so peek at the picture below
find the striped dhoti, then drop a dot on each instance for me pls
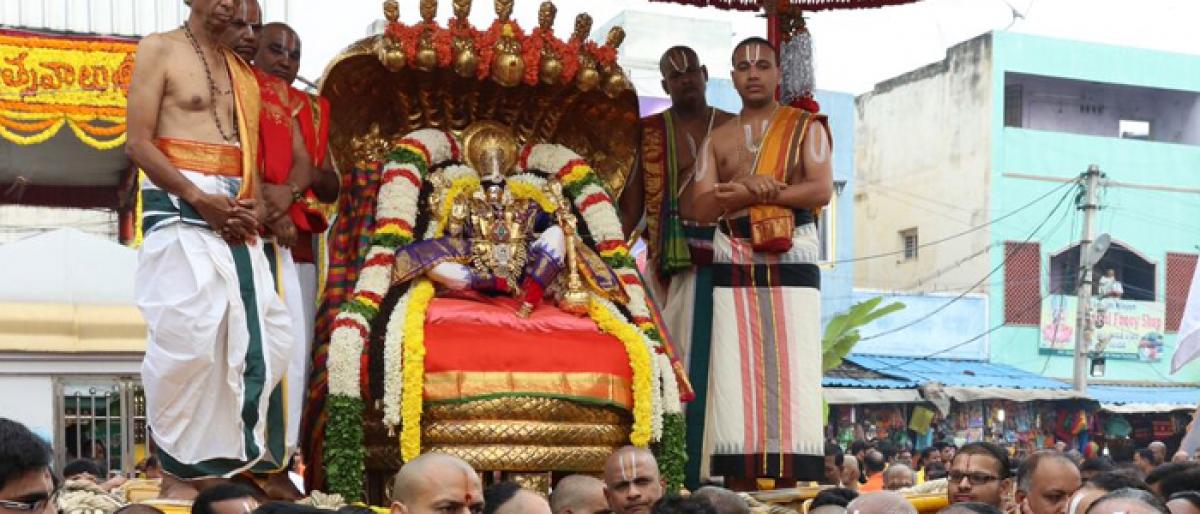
(763, 415)
(219, 338)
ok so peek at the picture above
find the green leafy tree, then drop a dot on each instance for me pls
(841, 334)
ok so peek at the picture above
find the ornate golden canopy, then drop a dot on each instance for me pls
(547, 90)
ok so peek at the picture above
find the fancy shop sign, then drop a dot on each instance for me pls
(1123, 329)
(37, 69)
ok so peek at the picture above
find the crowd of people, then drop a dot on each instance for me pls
(981, 477)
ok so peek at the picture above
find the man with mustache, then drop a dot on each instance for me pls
(763, 176)
(680, 250)
(632, 482)
(219, 336)
(979, 472)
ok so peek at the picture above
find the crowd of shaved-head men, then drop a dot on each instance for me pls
(631, 483)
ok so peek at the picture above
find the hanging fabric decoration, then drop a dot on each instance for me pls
(796, 63)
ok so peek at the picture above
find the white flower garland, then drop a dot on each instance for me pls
(393, 363)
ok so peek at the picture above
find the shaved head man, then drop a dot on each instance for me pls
(1046, 482)
(883, 502)
(242, 34)
(279, 51)
(579, 494)
(436, 482)
(631, 480)
(898, 476)
(724, 500)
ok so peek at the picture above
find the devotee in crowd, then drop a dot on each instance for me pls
(1180, 456)
(948, 451)
(929, 455)
(1128, 501)
(1159, 449)
(1172, 478)
(579, 494)
(723, 500)
(675, 504)
(1045, 482)
(881, 502)
(979, 472)
(832, 501)
(1101, 485)
(26, 483)
(225, 498)
(904, 456)
(1143, 459)
(834, 459)
(875, 466)
(511, 498)
(284, 507)
(631, 480)
(898, 476)
(935, 471)
(851, 472)
(436, 483)
(1186, 502)
(1060, 446)
(1094, 466)
(970, 508)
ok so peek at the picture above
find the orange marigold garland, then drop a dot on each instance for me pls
(485, 43)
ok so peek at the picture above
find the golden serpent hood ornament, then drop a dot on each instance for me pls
(546, 89)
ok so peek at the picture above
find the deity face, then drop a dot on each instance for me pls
(462, 9)
(583, 26)
(755, 73)
(428, 10)
(279, 52)
(241, 35)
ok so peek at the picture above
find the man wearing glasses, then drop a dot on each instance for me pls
(25, 482)
(979, 472)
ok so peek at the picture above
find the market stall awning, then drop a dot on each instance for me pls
(1144, 399)
(849, 383)
(966, 381)
(62, 118)
(804, 5)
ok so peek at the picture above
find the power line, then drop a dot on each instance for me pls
(996, 268)
(964, 232)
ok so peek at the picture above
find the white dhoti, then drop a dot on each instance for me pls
(290, 288)
(763, 414)
(219, 342)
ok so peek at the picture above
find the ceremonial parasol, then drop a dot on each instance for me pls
(786, 30)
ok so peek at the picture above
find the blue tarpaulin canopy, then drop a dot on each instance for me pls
(1130, 399)
(965, 380)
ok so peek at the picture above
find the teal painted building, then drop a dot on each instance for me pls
(964, 171)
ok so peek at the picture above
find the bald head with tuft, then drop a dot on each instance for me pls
(578, 494)
(632, 482)
(434, 482)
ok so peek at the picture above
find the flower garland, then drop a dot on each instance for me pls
(410, 39)
(485, 43)
(528, 186)
(414, 369)
(393, 363)
(396, 211)
(462, 180)
(609, 319)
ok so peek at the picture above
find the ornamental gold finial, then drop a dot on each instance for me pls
(504, 9)
(428, 10)
(462, 9)
(391, 10)
(616, 36)
(546, 14)
(583, 27)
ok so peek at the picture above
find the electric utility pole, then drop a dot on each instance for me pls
(1083, 293)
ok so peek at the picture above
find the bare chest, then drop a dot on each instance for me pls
(734, 157)
(191, 86)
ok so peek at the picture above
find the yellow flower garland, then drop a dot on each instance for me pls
(639, 361)
(527, 191)
(457, 188)
(414, 369)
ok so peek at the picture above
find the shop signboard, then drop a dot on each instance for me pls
(1122, 329)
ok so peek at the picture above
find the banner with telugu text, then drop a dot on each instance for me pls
(1124, 329)
(48, 81)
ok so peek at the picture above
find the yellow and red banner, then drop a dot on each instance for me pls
(48, 81)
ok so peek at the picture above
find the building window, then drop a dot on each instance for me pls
(910, 243)
(1014, 105)
(1022, 283)
(1135, 273)
(1134, 129)
(1180, 269)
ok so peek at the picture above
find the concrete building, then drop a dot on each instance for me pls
(963, 171)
